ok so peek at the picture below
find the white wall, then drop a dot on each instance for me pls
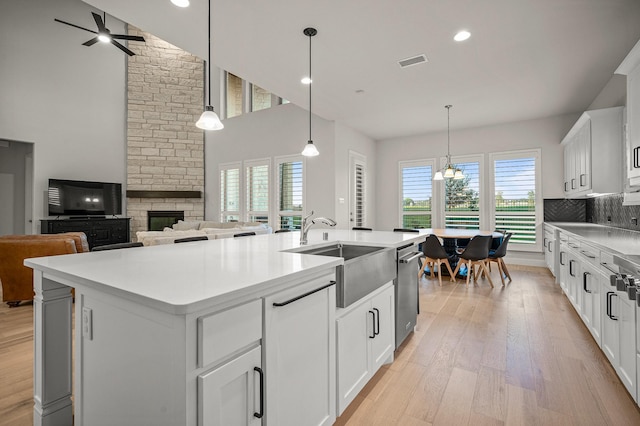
(67, 99)
(277, 131)
(543, 133)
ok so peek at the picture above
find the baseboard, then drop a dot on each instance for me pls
(525, 258)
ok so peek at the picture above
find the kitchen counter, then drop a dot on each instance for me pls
(622, 242)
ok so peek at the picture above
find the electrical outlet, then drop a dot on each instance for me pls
(87, 323)
(634, 220)
(608, 218)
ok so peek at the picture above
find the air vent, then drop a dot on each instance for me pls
(414, 60)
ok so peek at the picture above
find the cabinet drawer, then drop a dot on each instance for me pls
(589, 254)
(226, 332)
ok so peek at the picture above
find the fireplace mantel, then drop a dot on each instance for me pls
(163, 194)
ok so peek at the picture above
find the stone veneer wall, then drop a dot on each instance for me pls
(165, 150)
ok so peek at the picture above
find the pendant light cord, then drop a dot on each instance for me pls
(310, 84)
(209, 54)
(448, 107)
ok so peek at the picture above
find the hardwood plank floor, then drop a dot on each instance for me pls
(512, 355)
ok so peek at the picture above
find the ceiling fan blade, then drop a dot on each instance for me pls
(74, 25)
(99, 23)
(127, 37)
(121, 47)
(90, 42)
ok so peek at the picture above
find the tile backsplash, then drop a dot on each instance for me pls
(608, 210)
(561, 210)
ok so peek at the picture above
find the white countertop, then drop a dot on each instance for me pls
(182, 278)
(619, 241)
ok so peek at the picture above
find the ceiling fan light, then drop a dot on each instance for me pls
(310, 150)
(458, 175)
(105, 38)
(209, 120)
(438, 176)
(181, 3)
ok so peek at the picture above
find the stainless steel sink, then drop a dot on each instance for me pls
(365, 269)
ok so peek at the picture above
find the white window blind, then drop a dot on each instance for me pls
(417, 194)
(462, 197)
(257, 192)
(290, 193)
(515, 198)
(230, 194)
(359, 207)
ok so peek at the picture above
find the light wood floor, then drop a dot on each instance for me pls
(514, 355)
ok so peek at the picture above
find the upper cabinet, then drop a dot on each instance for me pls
(593, 154)
(631, 68)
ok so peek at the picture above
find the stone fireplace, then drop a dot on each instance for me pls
(157, 220)
(165, 150)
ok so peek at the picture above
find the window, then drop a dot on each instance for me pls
(234, 95)
(230, 192)
(416, 180)
(257, 190)
(517, 200)
(357, 194)
(290, 177)
(260, 98)
(462, 196)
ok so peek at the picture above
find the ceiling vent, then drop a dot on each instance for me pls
(414, 60)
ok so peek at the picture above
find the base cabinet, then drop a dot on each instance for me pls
(299, 343)
(365, 335)
(231, 394)
(99, 232)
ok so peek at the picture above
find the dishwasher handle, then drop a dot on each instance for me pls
(409, 257)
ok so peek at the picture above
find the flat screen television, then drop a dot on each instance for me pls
(82, 198)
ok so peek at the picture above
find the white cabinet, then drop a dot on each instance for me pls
(299, 345)
(549, 249)
(232, 394)
(593, 154)
(590, 301)
(365, 335)
(631, 68)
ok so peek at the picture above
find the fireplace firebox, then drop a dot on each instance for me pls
(159, 219)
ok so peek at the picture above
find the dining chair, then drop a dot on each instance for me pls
(278, 231)
(405, 230)
(476, 254)
(189, 239)
(117, 246)
(498, 255)
(361, 228)
(435, 254)
(244, 234)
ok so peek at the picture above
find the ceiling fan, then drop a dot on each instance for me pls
(104, 35)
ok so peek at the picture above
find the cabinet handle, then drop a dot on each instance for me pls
(566, 187)
(549, 247)
(573, 184)
(373, 324)
(545, 242)
(571, 268)
(610, 294)
(608, 267)
(562, 258)
(581, 176)
(635, 157)
(573, 245)
(376, 331)
(587, 254)
(261, 375)
(584, 281)
(278, 304)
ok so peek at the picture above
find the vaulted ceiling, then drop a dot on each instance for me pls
(525, 59)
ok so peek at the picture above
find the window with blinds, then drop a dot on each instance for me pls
(462, 197)
(359, 195)
(290, 194)
(515, 198)
(257, 192)
(416, 193)
(230, 194)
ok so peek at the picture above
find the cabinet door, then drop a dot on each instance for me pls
(573, 281)
(586, 295)
(583, 175)
(563, 264)
(633, 124)
(354, 329)
(299, 344)
(610, 334)
(383, 344)
(627, 328)
(231, 394)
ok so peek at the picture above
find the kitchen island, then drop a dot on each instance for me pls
(158, 329)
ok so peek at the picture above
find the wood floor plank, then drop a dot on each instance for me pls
(490, 397)
(522, 408)
(455, 407)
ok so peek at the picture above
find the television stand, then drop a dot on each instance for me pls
(99, 230)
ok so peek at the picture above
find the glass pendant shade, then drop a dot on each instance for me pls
(438, 176)
(449, 173)
(310, 150)
(458, 175)
(209, 120)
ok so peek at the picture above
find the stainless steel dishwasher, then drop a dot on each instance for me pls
(406, 291)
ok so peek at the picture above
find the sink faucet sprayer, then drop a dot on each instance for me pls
(304, 228)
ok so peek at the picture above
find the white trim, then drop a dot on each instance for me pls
(231, 166)
(355, 159)
(425, 162)
(276, 187)
(254, 163)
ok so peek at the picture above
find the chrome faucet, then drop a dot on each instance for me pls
(306, 225)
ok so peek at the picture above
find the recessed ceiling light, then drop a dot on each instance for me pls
(181, 3)
(462, 35)
(305, 80)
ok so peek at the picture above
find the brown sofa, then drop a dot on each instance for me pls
(17, 279)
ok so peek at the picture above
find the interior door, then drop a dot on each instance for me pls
(6, 203)
(357, 190)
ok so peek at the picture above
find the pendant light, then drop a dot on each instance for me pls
(209, 120)
(310, 150)
(449, 170)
